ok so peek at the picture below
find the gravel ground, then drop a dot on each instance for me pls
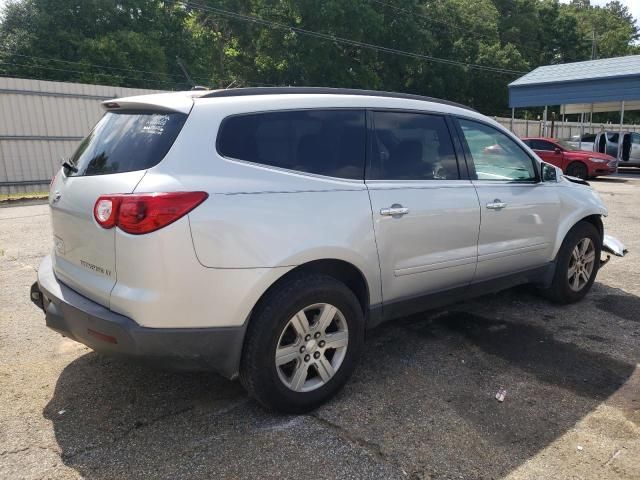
(420, 405)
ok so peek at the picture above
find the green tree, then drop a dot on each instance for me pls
(137, 42)
(58, 39)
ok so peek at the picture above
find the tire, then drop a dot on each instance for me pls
(276, 325)
(564, 289)
(578, 169)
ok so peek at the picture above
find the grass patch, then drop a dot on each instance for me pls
(9, 197)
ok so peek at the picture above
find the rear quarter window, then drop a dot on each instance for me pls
(323, 142)
(126, 141)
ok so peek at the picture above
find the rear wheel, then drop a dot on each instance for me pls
(302, 344)
(577, 264)
(578, 170)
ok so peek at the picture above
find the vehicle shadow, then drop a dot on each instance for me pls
(609, 180)
(629, 170)
(421, 401)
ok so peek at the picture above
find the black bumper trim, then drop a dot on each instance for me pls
(75, 316)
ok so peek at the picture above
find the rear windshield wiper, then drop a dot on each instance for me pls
(70, 167)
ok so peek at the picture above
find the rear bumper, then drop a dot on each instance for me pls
(87, 322)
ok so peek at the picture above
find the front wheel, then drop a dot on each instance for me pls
(578, 170)
(302, 344)
(577, 264)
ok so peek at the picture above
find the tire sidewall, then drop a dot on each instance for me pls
(578, 165)
(331, 292)
(561, 282)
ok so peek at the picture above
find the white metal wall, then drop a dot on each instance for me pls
(534, 128)
(42, 122)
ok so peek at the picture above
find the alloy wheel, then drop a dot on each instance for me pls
(581, 264)
(312, 347)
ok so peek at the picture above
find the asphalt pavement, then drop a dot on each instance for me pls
(420, 405)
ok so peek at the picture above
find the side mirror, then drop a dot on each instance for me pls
(548, 172)
(557, 150)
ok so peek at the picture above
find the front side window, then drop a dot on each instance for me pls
(323, 142)
(495, 156)
(635, 138)
(126, 141)
(411, 146)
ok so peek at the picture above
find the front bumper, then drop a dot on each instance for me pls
(612, 246)
(76, 317)
(603, 171)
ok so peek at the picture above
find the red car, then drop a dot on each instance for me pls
(574, 162)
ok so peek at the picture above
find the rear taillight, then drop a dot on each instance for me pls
(105, 210)
(141, 213)
(53, 179)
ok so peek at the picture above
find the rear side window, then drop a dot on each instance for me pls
(412, 146)
(124, 142)
(324, 142)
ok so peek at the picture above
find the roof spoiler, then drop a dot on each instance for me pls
(157, 102)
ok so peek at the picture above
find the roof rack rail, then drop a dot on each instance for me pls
(241, 92)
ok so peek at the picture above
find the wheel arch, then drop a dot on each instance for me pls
(341, 270)
(594, 219)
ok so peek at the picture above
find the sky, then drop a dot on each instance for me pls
(632, 5)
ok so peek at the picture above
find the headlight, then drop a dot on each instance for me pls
(597, 160)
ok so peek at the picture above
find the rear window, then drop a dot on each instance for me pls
(126, 141)
(324, 142)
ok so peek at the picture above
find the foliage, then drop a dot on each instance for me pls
(137, 43)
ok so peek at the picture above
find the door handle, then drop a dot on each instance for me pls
(497, 204)
(394, 210)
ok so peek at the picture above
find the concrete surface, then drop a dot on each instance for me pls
(420, 405)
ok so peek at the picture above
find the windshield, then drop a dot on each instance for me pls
(566, 145)
(126, 141)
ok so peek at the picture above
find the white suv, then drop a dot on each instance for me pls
(260, 232)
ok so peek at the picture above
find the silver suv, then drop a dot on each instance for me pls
(260, 232)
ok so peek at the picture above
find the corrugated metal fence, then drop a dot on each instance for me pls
(42, 122)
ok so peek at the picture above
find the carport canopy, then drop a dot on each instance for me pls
(607, 85)
(594, 85)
